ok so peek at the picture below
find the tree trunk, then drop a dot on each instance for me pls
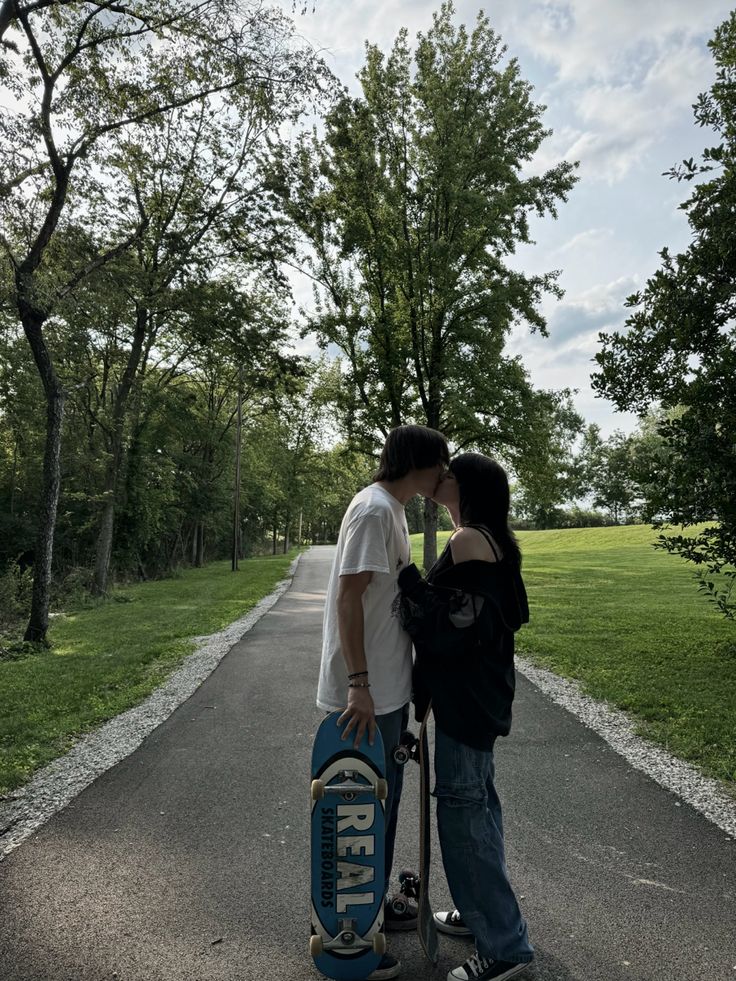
(15, 476)
(286, 531)
(38, 623)
(430, 533)
(119, 413)
(433, 403)
(104, 543)
(200, 545)
(236, 492)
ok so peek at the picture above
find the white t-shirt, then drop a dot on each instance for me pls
(374, 537)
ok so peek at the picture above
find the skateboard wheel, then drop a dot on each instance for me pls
(379, 943)
(318, 790)
(315, 945)
(381, 789)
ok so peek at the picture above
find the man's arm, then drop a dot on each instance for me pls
(360, 713)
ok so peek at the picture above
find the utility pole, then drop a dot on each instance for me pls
(236, 496)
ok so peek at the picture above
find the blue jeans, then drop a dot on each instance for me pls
(391, 726)
(470, 829)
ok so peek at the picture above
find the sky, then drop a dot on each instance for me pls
(619, 78)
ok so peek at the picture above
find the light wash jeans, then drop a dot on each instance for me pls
(391, 726)
(471, 837)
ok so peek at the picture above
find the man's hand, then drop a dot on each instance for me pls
(359, 715)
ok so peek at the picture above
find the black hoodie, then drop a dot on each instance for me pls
(467, 671)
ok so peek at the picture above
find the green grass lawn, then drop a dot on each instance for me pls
(628, 622)
(108, 658)
(606, 609)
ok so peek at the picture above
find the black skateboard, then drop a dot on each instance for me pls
(416, 885)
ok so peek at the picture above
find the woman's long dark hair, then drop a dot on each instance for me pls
(484, 499)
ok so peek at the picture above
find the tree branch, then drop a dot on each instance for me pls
(148, 27)
(101, 260)
(81, 146)
(7, 186)
(6, 245)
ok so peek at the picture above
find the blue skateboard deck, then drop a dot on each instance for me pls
(347, 845)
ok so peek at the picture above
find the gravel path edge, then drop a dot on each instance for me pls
(25, 810)
(705, 794)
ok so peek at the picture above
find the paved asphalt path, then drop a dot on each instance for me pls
(189, 860)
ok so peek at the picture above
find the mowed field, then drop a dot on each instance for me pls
(627, 620)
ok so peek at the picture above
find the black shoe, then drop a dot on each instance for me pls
(477, 968)
(400, 913)
(452, 923)
(387, 969)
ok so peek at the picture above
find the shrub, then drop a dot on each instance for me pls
(15, 594)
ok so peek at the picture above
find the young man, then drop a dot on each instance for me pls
(366, 656)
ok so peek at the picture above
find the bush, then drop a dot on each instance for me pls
(19, 650)
(576, 517)
(73, 590)
(15, 594)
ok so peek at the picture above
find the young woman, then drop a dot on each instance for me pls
(462, 619)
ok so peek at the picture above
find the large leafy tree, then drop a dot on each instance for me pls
(679, 349)
(410, 208)
(80, 74)
(195, 186)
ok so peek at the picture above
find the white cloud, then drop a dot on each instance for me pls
(591, 238)
(627, 120)
(341, 28)
(625, 75)
(584, 40)
(578, 319)
(579, 316)
(623, 71)
(565, 358)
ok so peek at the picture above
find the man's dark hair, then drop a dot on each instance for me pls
(411, 448)
(484, 498)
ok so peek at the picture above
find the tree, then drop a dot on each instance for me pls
(408, 210)
(195, 185)
(550, 473)
(80, 74)
(651, 463)
(679, 350)
(610, 476)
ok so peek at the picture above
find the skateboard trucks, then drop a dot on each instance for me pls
(350, 788)
(348, 939)
(407, 749)
(408, 889)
